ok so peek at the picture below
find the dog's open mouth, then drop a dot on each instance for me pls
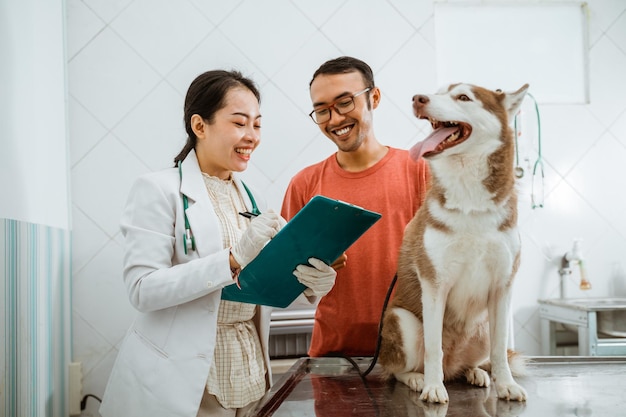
(444, 136)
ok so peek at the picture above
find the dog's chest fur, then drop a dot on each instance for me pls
(467, 236)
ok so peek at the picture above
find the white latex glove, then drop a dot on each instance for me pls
(319, 278)
(262, 228)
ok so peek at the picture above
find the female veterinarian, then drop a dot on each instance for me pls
(189, 353)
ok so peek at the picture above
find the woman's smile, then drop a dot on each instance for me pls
(244, 153)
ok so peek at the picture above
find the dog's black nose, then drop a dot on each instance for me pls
(420, 98)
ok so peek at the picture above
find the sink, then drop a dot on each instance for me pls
(591, 304)
(612, 323)
(610, 312)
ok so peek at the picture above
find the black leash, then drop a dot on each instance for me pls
(380, 327)
(378, 341)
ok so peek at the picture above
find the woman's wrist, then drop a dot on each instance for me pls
(235, 268)
(233, 262)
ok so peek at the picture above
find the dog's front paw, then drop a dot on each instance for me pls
(434, 393)
(511, 391)
(478, 377)
(414, 380)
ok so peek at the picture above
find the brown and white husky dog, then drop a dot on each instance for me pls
(450, 313)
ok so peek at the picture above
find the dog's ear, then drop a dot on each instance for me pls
(513, 101)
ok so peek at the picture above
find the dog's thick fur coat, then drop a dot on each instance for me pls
(450, 311)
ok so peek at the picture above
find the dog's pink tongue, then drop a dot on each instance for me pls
(431, 142)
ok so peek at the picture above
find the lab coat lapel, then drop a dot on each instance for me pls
(203, 221)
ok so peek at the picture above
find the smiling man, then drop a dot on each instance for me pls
(368, 174)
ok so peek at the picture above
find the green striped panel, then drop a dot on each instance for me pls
(35, 327)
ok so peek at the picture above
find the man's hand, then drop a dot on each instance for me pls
(340, 262)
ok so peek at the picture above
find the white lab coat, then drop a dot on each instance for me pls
(163, 363)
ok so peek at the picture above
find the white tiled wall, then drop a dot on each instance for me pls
(130, 62)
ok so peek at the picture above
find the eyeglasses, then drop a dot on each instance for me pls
(342, 106)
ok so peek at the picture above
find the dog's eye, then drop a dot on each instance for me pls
(463, 97)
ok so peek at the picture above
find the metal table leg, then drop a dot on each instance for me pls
(548, 337)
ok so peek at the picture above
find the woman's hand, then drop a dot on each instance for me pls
(319, 278)
(262, 228)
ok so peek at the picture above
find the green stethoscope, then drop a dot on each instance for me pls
(189, 239)
(537, 191)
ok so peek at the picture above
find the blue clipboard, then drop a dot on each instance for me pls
(324, 228)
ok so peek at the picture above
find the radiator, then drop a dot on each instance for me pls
(289, 345)
(290, 332)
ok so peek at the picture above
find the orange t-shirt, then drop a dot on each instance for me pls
(347, 318)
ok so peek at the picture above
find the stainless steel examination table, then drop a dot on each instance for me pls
(556, 386)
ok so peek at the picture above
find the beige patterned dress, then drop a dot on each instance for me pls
(237, 376)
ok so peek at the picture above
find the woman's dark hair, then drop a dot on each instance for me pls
(206, 96)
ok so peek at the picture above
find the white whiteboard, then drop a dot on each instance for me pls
(507, 45)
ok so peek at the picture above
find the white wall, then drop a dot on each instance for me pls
(35, 328)
(129, 70)
(33, 123)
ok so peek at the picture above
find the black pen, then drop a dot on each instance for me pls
(248, 215)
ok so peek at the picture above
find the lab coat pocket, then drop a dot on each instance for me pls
(140, 360)
(151, 346)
